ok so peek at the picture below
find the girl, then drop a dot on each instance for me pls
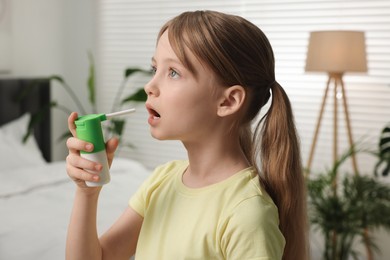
(241, 193)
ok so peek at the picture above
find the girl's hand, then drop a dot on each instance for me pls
(76, 166)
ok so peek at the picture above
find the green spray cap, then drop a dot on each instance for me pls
(88, 128)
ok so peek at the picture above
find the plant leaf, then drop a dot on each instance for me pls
(384, 142)
(384, 151)
(91, 79)
(57, 78)
(117, 126)
(36, 118)
(138, 96)
(131, 71)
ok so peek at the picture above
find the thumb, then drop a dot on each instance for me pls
(111, 147)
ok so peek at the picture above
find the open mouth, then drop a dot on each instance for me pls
(152, 112)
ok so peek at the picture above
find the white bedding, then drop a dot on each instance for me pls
(36, 201)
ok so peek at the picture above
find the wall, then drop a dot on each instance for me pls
(52, 37)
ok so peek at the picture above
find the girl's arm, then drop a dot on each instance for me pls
(82, 240)
(120, 240)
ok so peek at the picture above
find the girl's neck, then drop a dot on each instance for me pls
(213, 161)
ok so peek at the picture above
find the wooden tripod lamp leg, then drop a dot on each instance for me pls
(349, 131)
(313, 145)
(335, 118)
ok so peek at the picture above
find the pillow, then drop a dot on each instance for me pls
(13, 152)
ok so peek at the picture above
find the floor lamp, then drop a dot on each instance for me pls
(335, 52)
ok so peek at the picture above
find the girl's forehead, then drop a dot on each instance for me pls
(183, 54)
(185, 57)
(165, 52)
(164, 47)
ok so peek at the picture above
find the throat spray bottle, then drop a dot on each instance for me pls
(89, 128)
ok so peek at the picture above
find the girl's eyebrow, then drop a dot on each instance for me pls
(168, 60)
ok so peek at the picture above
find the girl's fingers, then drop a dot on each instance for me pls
(80, 178)
(72, 127)
(76, 161)
(75, 144)
(111, 147)
(80, 174)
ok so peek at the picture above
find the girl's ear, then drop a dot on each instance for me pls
(231, 101)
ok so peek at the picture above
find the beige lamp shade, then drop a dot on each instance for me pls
(336, 52)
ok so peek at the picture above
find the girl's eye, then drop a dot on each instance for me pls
(173, 74)
(153, 69)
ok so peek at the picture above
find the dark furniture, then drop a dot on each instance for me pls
(19, 96)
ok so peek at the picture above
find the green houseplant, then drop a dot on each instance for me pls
(345, 211)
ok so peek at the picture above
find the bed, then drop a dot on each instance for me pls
(36, 194)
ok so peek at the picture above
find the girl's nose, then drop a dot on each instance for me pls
(151, 88)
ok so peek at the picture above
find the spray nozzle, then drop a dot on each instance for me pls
(104, 117)
(119, 113)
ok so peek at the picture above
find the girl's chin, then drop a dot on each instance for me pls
(161, 136)
(157, 135)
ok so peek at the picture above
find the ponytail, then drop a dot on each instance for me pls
(281, 172)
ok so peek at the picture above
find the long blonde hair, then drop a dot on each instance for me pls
(239, 53)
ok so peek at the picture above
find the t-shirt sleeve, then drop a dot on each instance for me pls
(252, 231)
(140, 200)
(137, 201)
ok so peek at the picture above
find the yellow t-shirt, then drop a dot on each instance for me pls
(232, 219)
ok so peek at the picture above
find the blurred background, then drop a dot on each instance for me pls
(41, 38)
